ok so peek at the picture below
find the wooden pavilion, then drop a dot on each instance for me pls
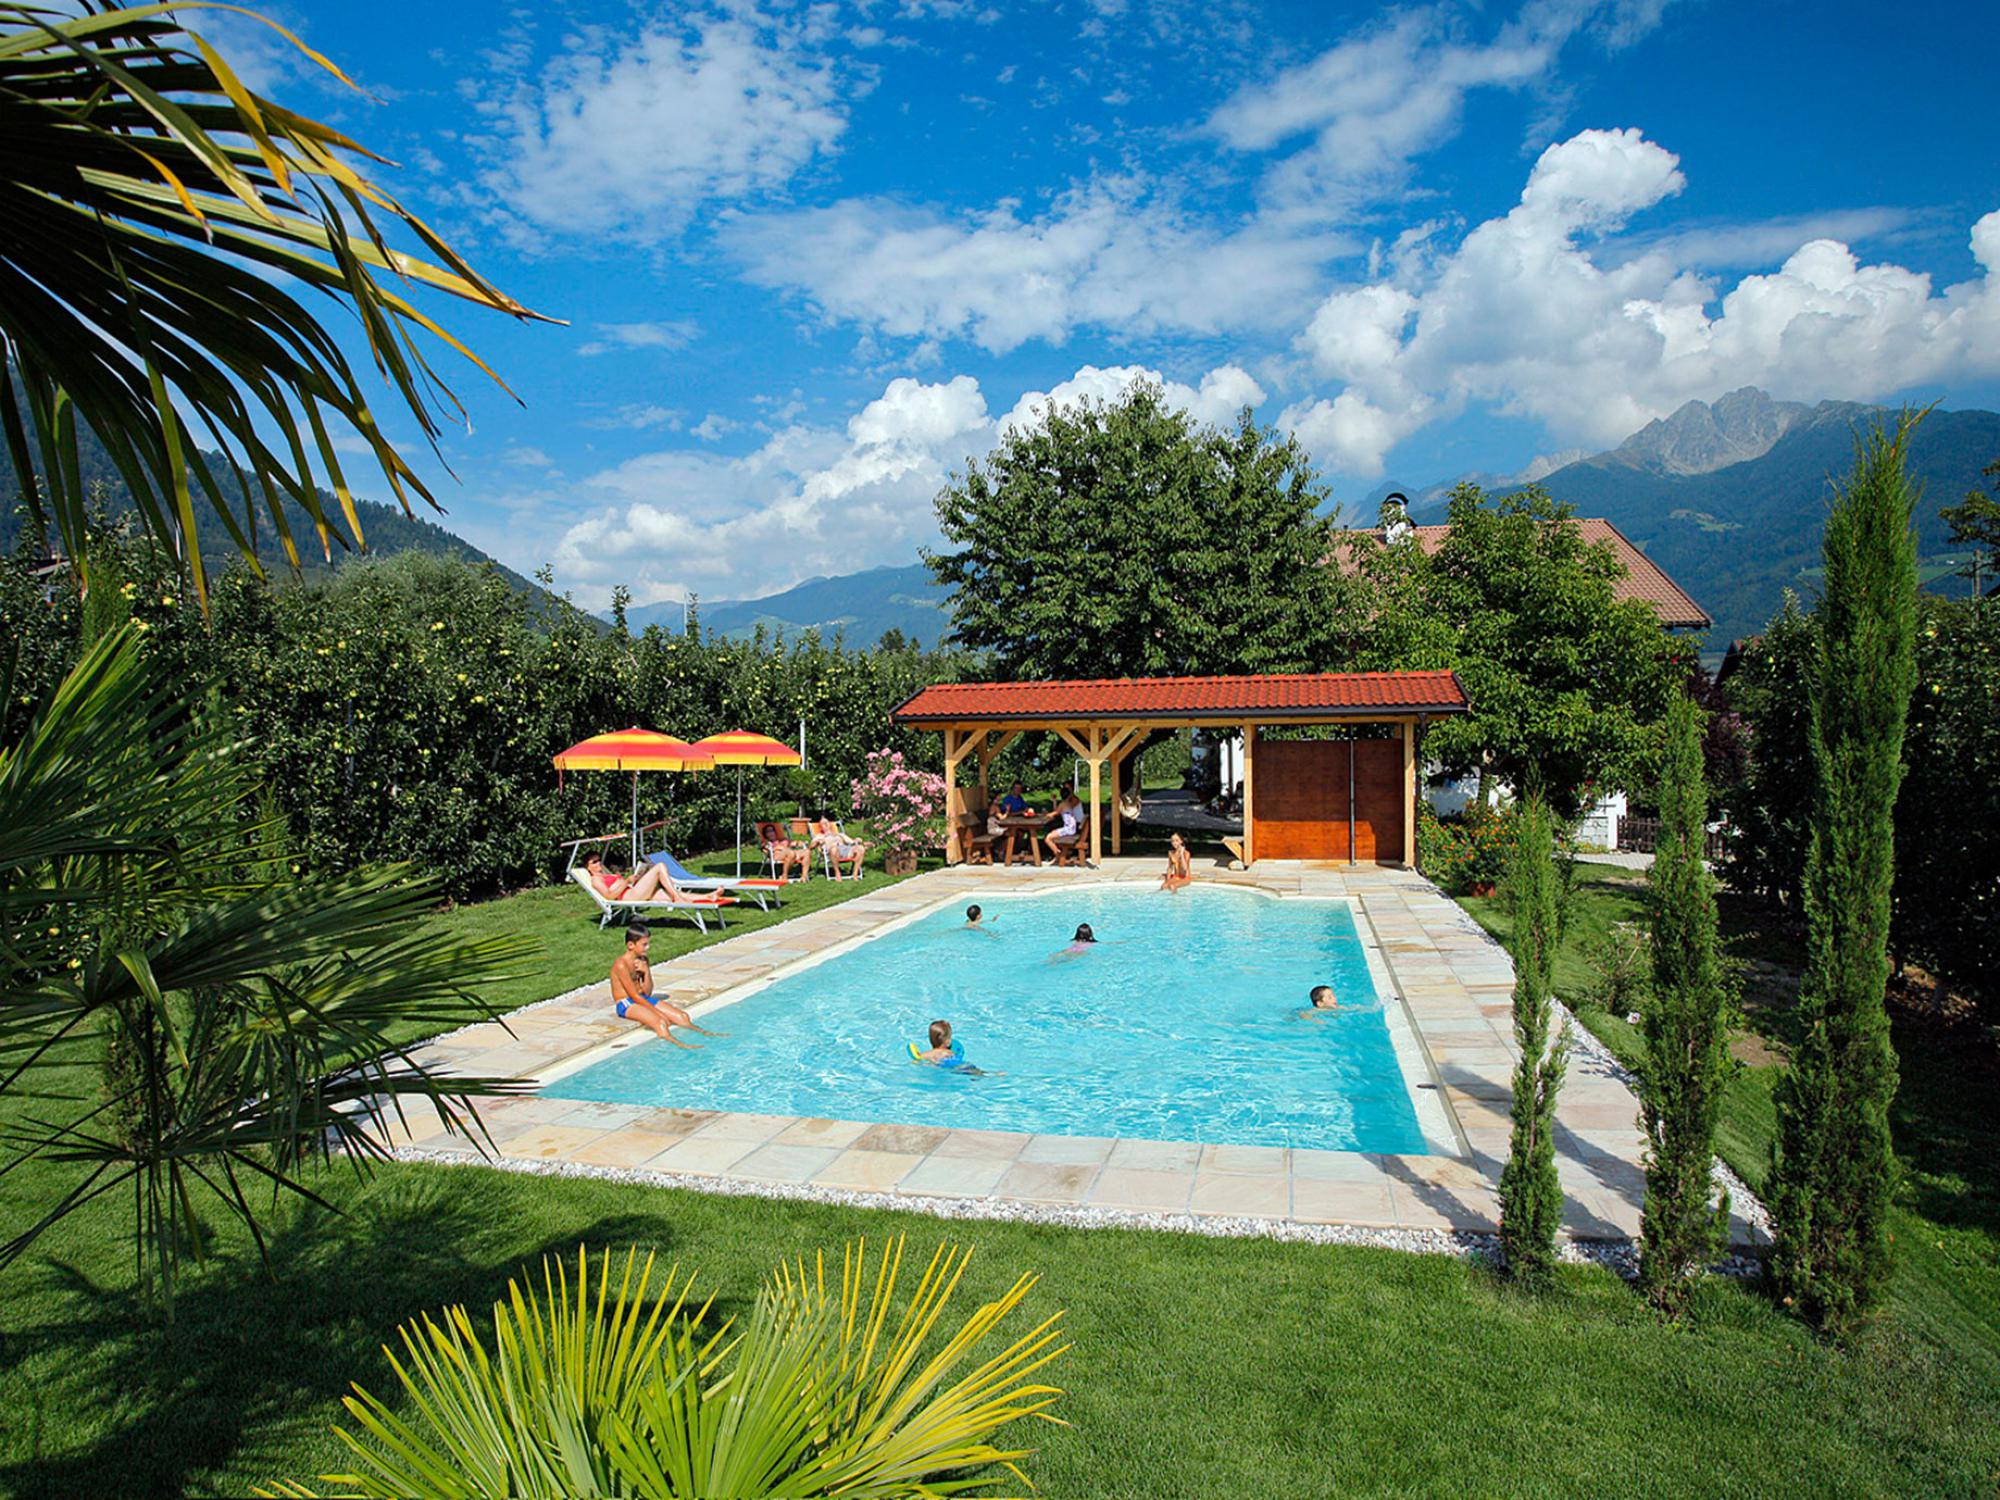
(1352, 798)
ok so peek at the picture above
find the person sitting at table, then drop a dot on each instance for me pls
(1069, 825)
(1013, 805)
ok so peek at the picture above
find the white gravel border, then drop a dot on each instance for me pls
(1620, 1256)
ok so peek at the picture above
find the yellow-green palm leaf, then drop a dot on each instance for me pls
(831, 1387)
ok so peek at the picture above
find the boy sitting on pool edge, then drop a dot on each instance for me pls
(632, 991)
(944, 1052)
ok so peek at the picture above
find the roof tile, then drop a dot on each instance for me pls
(1286, 695)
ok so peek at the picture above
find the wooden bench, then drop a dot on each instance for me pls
(974, 842)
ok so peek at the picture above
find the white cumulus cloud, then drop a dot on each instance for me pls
(812, 499)
(628, 137)
(1546, 313)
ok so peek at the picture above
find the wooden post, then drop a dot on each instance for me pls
(1249, 826)
(1096, 783)
(952, 853)
(1409, 794)
(1117, 810)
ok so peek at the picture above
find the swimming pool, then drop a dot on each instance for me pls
(1181, 1024)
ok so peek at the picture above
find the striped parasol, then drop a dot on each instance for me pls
(740, 748)
(633, 750)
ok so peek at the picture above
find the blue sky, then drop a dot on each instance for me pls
(814, 257)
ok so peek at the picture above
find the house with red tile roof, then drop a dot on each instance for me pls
(1644, 579)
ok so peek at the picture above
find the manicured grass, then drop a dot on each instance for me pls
(1945, 1298)
(1200, 1367)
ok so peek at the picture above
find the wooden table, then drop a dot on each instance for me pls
(1032, 824)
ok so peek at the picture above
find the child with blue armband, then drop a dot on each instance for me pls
(944, 1052)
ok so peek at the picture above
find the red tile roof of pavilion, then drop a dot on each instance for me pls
(1644, 579)
(1298, 697)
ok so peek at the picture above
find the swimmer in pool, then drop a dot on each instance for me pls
(632, 991)
(1078, 945)
(974, 921)
(944, 1052)
(1324, 1002)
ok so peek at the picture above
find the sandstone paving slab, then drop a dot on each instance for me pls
(1141, 1188)
(867, 1171)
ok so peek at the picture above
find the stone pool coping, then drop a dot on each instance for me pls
(1451, 980)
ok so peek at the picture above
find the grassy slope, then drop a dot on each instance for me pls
(1201, 1367)
(1945, 1302)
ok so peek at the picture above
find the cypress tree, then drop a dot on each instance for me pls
(1834, 1165)
(1686, 1029)
(1531, 1201)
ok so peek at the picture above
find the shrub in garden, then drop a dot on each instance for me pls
(1834, 1161)
(1686, 1064)
(616, 1385)
(1621, 969)
(904, 806)
(1531, 1201)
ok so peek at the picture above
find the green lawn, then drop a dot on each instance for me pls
(1946, 1296)
(1200, 1367)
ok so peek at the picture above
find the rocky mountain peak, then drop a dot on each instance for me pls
(1705, 436)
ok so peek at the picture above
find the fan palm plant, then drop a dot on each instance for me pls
(614, 1388)
(156, 217)
(180, 1015)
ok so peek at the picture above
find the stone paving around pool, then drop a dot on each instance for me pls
(1455, 981)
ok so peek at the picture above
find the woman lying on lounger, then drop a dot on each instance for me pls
(653, 883)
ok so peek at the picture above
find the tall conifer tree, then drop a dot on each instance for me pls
(1531, 1200)
(1686, 1030)
(1834, 1164)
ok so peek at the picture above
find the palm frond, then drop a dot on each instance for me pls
(147, 198)
(622, 1392)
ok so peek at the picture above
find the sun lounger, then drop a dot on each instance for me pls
(699, 908)
(754, 886)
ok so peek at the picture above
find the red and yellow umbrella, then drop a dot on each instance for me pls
(740, 748)
(633, 750)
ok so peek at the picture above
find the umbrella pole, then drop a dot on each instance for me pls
(739, 822)
(634, 867)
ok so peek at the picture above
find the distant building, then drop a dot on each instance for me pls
(1644, 579)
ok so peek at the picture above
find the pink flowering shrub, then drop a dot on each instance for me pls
(904, 806)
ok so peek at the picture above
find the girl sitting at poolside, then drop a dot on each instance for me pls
(632, 991)
(1180, 865)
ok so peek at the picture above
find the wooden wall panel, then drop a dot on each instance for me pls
(1301, 802)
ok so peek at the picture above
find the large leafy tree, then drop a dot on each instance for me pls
(159, 223)
(1976, 519)
(1125, 539)
(1566, 680)
(1835, 1164)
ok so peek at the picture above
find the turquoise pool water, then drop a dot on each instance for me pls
(1181, 1024)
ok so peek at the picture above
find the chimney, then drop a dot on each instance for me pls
(1395, 517)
